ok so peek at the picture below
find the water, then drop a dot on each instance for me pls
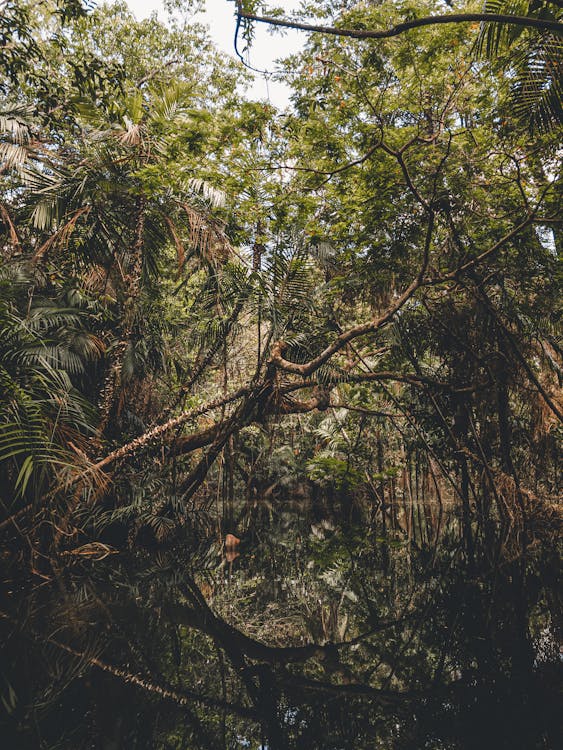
(309, 633)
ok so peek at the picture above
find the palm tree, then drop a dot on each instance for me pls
(89, 231)
(105, 208)
(45, 421)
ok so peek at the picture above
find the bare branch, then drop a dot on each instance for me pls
(401, 28)
(344, 338)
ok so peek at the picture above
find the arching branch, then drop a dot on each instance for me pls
(307, 368)
(401, 28)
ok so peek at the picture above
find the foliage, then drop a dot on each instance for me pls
(45, 352)
(533, 60)
(324, 340)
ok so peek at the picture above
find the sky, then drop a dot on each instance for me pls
(219, 15)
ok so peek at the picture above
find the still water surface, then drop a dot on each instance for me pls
(306, 633)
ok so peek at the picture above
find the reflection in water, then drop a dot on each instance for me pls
(294, 634)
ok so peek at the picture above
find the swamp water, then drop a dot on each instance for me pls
(308, 633)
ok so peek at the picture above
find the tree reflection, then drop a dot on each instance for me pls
(399, 642)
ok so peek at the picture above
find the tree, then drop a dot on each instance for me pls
(529, 31)
(71, 191)
(354, 294)
(330, 334)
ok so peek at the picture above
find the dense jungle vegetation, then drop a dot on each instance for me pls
(280, 390)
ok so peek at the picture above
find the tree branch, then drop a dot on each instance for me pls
(401, 28)
(157, 432)
(180, 696)
(340, 341)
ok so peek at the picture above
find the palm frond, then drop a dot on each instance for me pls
(207, 238)
(15, 122)
(533, 61)
(496, 37)
(212, 195)
(538, 89)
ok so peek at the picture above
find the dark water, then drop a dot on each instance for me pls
(378, 633)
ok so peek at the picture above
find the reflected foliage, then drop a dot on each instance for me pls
(280, 392)
(318, 635)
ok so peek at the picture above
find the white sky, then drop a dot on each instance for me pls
(219, 15)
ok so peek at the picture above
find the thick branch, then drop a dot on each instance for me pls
(196, 440)
(401, 28)
(205, 620)
(201, 617)
(257, 407)
(307, 368)
(157, 432)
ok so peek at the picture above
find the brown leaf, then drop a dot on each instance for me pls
(180, 251)
(231, 541)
